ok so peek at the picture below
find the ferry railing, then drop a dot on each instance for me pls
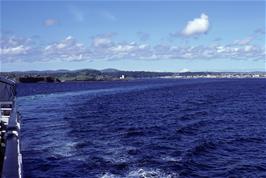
(12, 165)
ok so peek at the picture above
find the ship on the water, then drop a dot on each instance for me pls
(10, 158)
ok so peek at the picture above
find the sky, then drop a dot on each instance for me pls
(133, 35)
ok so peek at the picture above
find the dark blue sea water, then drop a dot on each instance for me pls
(144, 128)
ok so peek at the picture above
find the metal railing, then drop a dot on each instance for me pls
(12, 163)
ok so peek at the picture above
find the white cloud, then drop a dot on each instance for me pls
(17, 50)
(101, 41)
(103, 47)
(122, 48)
(13, 48)
(50, 22)
(248, 48)
(68, 49)
(244, 41)
(197, 26)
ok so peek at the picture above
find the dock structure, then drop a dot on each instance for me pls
(10, 158)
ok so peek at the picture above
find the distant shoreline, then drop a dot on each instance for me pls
(91, 75)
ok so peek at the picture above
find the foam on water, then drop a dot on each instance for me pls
(146, 129)
(142, 173)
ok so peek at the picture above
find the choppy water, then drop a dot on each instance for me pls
(145, 128)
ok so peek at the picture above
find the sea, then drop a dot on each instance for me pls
(146, 128)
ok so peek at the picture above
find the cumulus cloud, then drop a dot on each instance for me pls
(50, 22)
(13, 47)
(17, 50)
(101, 41)
(68, 49)
(103, 47)
(197, 26)
(244, 41)
(108, 49)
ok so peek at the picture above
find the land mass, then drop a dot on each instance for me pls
(114, 74)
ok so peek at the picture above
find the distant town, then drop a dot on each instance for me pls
(114, 74)
(218, 75)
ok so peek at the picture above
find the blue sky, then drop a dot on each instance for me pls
(133, 35)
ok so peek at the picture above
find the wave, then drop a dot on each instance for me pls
(142, 173)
